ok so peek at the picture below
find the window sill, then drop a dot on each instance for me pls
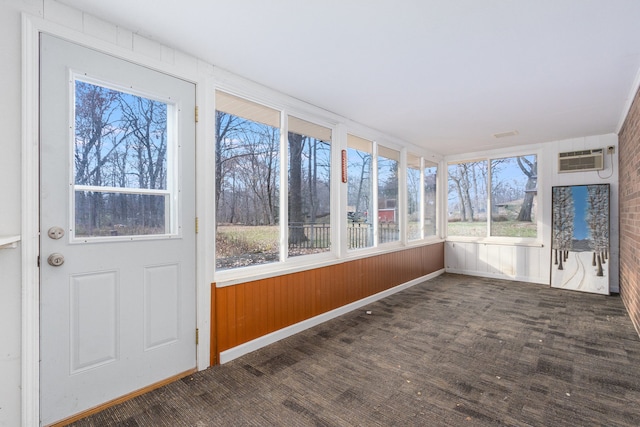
(232, 277)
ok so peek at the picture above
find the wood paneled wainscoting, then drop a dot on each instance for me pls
(250, 310)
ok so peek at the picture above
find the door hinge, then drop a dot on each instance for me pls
(38, 261)
(197, 225)
(197, 336)
(196, 114)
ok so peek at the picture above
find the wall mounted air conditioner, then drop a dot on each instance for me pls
(581, 161)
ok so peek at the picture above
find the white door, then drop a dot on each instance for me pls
(117, 203)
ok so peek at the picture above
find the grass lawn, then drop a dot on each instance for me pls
(232, 240)
(498, 228)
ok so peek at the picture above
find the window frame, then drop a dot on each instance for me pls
(339, 251)
(400, 201)
(285, 263)
(172, 192)
(372, 210)
(331, 146)
(488, 238)
(437, 198)
(264, 115)
(411, 166)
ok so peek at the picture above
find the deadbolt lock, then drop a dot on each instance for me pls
(55, 259)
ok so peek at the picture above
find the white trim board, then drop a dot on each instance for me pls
(500, 276)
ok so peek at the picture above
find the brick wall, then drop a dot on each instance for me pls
(629, 174)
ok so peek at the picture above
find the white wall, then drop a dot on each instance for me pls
(10, 200)
(533, 263)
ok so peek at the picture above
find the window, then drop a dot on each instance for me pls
(388, 162)
(421, 197)
(513, 196)
(247, 193)
(309, 187)
(512, 204)
(260, 223)
(359, 192)
(123, 155)
(430, 187)
(467, 205)
(414, 197)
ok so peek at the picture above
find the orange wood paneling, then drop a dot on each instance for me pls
(246, 311)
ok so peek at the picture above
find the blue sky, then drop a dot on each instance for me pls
(580, 229)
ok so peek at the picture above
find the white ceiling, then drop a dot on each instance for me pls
(444, 74)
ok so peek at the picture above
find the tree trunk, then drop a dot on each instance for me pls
(527, 204)
(296, 217)
(600, 272)
(463, 210)
(467, 192)
(530, 170)
(363, 170)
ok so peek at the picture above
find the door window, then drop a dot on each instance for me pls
(123, 154)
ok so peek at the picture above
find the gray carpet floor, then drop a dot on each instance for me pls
(452, 351)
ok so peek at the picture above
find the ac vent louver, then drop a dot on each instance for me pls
(581, 161)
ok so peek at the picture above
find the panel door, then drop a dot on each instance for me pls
(117, 228)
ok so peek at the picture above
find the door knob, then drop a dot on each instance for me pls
(55, 233)
(55, 259)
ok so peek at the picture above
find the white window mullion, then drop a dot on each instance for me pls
(422, 206)
(374, 195)
(441, 203)
(339, 192)
(489, 204)
(403, 203)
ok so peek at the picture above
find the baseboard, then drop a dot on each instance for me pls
(537, 280)
(248, 347)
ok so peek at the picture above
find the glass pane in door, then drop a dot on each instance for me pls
(122, 141)
(101, 214)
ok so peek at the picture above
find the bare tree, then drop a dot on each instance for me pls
(296, 216)
(315, 192)
(455, 180)
(95, 120)
(430, 205)
(363, 182)
(146, 123)
(259, 174)
(466, 184)
(121, 142)
(530, 169)
(247, 171)
(563, 224)
(470, 182)
(227, 134)
(597, 221)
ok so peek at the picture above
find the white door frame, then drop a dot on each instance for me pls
(191, 70)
